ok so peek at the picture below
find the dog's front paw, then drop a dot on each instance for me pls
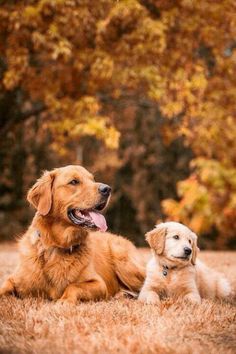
(3, 292)
(7, 288)
(68, 298)
(66, 301)
(149, 297)
(193, 298)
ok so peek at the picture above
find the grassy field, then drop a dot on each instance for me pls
(120, 325)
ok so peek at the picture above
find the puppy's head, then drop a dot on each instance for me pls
(174, 241)
(71, 194)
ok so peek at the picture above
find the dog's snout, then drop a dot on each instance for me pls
(104, 189)
(187, 251)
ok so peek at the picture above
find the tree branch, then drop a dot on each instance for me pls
(21, 117)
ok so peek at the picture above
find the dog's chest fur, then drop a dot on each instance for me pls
(170, 282)
(61, 269)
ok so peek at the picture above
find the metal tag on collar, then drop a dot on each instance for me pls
(37, 233)
(35, 237)
(165, 271)
(71, 249)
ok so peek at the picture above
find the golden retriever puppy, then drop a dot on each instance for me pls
(174, 270)
(66, 253)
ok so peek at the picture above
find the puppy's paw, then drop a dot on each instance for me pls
(149, 297)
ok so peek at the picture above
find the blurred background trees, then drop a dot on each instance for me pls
(140, 92)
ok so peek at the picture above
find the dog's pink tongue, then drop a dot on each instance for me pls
(98, 220)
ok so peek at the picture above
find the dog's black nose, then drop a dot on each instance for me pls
(104, 189)
(187, 251)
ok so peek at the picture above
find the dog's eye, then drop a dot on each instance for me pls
(74, 182)
(176, 237)
(189, 241)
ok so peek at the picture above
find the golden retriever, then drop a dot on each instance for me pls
(66, 253)
(174, 271)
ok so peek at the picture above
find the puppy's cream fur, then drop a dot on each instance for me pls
(186, 277)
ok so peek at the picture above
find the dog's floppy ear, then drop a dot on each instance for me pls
(40, 195)
(156, 238)
(195, 249)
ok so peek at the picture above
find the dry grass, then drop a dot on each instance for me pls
(119, 325)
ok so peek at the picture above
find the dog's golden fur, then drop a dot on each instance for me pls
(172, 273)
(99, 264)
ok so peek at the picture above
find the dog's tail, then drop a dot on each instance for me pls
(212, 284)
(223, 288)
(128, 266)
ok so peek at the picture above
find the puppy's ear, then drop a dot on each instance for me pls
(40, 195)
(194, 250)
(156, 238)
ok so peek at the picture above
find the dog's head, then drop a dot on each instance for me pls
(71, 194)
(174, 241)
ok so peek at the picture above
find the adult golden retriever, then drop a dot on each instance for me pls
(62, 255)
(174, 269)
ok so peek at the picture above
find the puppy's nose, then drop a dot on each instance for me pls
(187, 251)
(104, 189)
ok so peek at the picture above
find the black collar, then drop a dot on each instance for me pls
(69, 250)
(165, 269)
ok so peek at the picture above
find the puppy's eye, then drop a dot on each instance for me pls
(189, 241)
(74, 182)
(176, 237)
